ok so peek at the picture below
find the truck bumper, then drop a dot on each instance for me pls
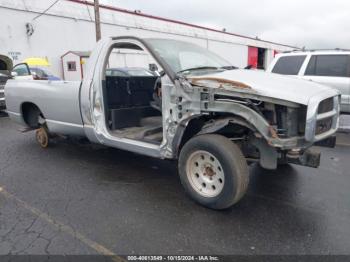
(309, 157)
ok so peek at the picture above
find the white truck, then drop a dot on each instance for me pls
(326, 67)
(210, 116)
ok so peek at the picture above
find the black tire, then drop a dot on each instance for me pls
(234, 170)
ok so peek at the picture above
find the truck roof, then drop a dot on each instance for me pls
(336, 51)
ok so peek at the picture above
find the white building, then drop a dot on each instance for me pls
(26, 30)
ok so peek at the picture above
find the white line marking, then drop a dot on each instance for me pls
(343, 144)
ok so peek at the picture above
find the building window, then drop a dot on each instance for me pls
(72, 66)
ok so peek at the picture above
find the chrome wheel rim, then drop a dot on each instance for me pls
(205, 173)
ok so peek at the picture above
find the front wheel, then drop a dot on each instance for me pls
(213, 171)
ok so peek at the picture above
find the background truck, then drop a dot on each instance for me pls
(327, 67)
(5, 74)
(196, 108)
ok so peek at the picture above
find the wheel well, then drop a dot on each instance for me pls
(193, 127)
(31, 114)
(226, 126)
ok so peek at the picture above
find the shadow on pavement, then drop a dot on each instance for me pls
(3, 114)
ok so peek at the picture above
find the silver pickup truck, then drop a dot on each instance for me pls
(197, 108)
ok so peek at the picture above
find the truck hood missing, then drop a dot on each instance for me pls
(263, 84)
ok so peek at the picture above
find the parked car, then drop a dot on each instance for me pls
(5, 74)
(331, 68)
(212, 117)
(25, 72)
(22, 72)
(129, 71)
(43, 74)
(3, 79)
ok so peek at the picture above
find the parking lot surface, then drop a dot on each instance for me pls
(78, 198)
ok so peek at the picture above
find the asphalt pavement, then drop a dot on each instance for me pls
(79, 198)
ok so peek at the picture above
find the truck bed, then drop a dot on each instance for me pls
(58, 102)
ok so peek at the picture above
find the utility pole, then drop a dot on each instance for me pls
(97, 20)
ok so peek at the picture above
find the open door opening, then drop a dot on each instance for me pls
(256, 57)
(261, 58)
(130, 88)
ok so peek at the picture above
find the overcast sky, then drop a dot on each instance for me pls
(309, 23)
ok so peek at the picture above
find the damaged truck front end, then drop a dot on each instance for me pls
(268, 130)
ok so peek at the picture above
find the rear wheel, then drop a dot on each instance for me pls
(213, 171)
(42, 136)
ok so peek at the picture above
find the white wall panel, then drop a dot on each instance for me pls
(68, 26)
(236, 54)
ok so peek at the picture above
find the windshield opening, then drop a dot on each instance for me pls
(185, 57)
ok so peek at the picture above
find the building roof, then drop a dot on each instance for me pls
(78, 53)
(116, 9)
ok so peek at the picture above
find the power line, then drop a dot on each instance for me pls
(47, 9)
(87, 7)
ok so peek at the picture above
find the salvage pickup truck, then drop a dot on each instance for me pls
(210, 116)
